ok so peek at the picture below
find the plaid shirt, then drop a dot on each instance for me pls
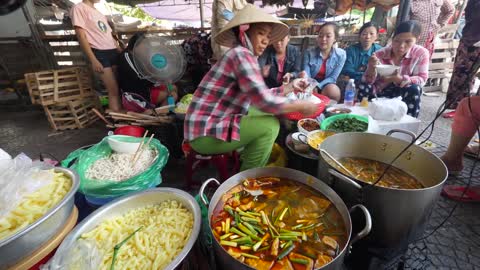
(413, 68)
(432, 15)
(225, 94)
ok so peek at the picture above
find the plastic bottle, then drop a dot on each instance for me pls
(350, 93)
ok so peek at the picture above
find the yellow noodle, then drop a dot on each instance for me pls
(166, 229)
(35, 205)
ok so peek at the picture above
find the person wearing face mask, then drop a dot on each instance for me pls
(358, 54)
(280, 63)
(408, 80)
(324, 63)
(95, 37)
(219, 119)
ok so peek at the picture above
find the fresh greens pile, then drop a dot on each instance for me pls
(183, 104)
(348, 125)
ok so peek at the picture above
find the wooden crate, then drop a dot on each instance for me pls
(32, 87)
(72, 114)
(441, 65)
(57, 86)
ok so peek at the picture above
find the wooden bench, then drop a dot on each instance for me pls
(441, 65)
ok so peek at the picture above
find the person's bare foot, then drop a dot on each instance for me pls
(454, 165)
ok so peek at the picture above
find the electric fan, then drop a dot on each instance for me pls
(159, 60)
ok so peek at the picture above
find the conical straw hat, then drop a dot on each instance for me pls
(248, 15)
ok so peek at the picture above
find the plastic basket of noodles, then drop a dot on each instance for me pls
(322, 102)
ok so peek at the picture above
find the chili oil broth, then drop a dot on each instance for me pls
(304, 203)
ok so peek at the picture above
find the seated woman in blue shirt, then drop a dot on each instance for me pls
(358, 54)
(280, 62)
(324, 63)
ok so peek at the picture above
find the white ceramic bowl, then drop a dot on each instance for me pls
(386, 70)
(120, 146)
(301, 129)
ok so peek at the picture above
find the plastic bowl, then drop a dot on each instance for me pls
(134, 131)
(301, 122)
(334, 111)
(123, 144)
(327, 122)
(386, 70)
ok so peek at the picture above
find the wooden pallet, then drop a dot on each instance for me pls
(441, 65)
(72, 114)
(57, 86)
(32, 87)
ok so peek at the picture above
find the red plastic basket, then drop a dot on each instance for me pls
(134, 131)
(295, 116)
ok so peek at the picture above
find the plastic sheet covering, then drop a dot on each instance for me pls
(82, 255)
(19, 177)
(343, 6)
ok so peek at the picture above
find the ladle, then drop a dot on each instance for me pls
(323, 151)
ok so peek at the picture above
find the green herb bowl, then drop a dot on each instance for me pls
(327, 122)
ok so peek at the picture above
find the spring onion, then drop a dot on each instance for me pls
(299, 261)
(228, 243)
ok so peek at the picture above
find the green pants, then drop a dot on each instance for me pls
(258, 132)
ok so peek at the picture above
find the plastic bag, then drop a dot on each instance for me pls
(387, 109)
(82, 159)
(21, 176)
(278, 157)
(82, 254)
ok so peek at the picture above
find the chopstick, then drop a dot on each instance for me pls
(139, 146)
(141, 149)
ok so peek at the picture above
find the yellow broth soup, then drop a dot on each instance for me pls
(369, 171)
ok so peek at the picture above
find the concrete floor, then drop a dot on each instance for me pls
(454, 246)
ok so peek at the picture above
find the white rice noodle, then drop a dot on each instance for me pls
(119, 167)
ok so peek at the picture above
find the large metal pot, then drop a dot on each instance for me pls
(399, 215)
(123, 205)
(26, 241)
(228, 262)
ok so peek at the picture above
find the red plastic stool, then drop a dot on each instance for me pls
(220, 161)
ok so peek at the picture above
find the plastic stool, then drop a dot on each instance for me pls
(221, 162)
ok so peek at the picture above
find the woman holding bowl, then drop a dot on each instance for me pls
(324, 63)
(408, 79)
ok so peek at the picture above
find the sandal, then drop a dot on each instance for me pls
(471, 150)
(472, 194)
(448, 114)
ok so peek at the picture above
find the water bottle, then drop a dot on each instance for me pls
(350, 93)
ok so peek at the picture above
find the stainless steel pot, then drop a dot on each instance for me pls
(228, 262)
(26, 241)
(123, 205)
(399, 215)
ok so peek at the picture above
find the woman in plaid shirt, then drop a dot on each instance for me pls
(411, 76)
(218, 119)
